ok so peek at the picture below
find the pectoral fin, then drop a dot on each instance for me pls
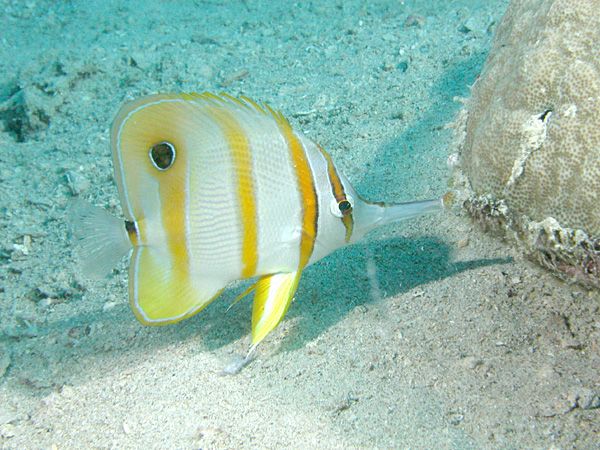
(272, 299)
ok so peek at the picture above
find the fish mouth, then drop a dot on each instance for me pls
(371, 215)
(402, 211)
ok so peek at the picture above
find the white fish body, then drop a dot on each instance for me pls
(216, 189)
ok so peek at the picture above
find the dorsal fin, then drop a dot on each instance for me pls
(242, 101)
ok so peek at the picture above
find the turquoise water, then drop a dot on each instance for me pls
(356, 362)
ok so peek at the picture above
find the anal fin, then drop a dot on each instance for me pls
(160, 293)
(272, 299)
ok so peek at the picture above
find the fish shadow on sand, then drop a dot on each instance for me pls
(336, 285)
(369, 273)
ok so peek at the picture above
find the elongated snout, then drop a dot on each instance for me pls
(368, 216)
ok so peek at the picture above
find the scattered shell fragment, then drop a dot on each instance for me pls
(463, 243)
(235, 76)
(77, 182)
(414, 20)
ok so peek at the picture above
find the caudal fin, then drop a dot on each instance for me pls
(101, 239)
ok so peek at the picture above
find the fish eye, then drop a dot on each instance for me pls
(162, 155)
(345, 207)
(342, 208)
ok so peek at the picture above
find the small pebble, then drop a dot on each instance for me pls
(414, 20)
(7, 430)
(46, 302)
(4, 359)
(402, 66)
(471, 362)
(571, 343)
(77, 183)
(21, 251)
(142, 60)
(471, 25)
(235, 76)
(463, 243)
(456, 418)
(108, 306)
(588, 399)
(46, 291)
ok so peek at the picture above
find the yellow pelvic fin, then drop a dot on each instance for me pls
(161, 293)
(273, 296)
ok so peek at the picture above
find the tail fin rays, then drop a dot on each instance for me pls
(102, 240)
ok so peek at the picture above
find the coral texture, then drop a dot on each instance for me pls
(529, 137)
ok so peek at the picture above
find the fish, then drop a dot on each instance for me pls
(215, 189)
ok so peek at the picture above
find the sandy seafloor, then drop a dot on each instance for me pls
(429, 334)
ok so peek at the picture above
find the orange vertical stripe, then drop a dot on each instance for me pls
(306, 185)
(173, 210)
(239, 147)
(338, 192)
